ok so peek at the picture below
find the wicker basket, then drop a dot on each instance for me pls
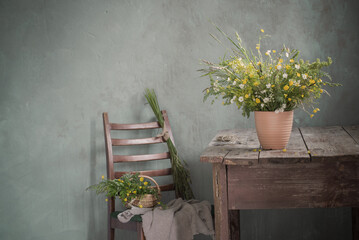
(147, 200)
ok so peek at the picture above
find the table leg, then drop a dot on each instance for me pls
(355, 223)
(234, 224)
(220, 201)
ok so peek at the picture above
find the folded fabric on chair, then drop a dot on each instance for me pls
(180, 221)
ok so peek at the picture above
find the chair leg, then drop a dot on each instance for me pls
(110, 231)
(140, 234)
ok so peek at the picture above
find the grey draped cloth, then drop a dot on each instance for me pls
(180, 221)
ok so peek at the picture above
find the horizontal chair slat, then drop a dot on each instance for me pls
(136, 126)
(151, 173)
(168, 187)
(139, 158)
(138, 141)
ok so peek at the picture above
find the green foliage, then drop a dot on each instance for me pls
(278, 81)
(126, 188)
(181, 175)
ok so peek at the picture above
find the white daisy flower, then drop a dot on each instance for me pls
(287, 54)
(265, 100)
(234, 83)
(304, 76)
(262, 105)
(297, 66)
(268, 85)
(279, 67)
(285, 75)
(228, 79)
(240, 99)
(241, 86)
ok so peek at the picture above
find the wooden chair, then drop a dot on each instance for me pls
(136, 222)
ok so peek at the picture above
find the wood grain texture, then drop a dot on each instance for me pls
(234, 224)
(245, 150)
(294, 185)
(138, 141)
(141, 158)
(353, 132)
(329, 144)
(295, 152)
(151, 173)
(220, 201)
(134, 126)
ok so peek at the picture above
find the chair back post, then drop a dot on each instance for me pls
(168, 126)
(108, 143)
(110, 173)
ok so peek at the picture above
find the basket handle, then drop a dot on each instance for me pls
(154, 181)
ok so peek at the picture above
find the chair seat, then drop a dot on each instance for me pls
(136, 218)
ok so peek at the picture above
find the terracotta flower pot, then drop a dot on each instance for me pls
(273, 129)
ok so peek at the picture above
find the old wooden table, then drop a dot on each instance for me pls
(319, 169)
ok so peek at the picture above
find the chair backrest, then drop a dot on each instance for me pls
(112, 159)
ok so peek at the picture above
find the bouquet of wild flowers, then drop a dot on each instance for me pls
(128, 188)
(273, 81)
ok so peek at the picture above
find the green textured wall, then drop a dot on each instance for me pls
(63, 63)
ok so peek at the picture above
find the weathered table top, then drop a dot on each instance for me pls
(307, 144)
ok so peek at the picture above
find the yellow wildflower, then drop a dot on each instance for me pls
(128, 194)
(145, 183)
(257, 100)
(303, 87)
(287, 66)
(125, 199)
(292, 60)
(289, 99)
(222, 103)
(321, 90)
(302, 95)
(134, 192)
(259, 150)
(245, 81)
(106, 199)
(103, 177)
(207, 90)
(314, 111)
(256, 83)
(254, 150)
(285, 95)
(273, 51)
(262, 30)
(259, 63)
(286, 87)
(311, 115)
(258, 46)
(312, 81)
(141, 179)
(280, 60)
(309, 152)
(317, 109)
(140, 206)
(298, 74)
(246, 96)
(140, 187)
(290, 83)
(284, 150)
(272, 85)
